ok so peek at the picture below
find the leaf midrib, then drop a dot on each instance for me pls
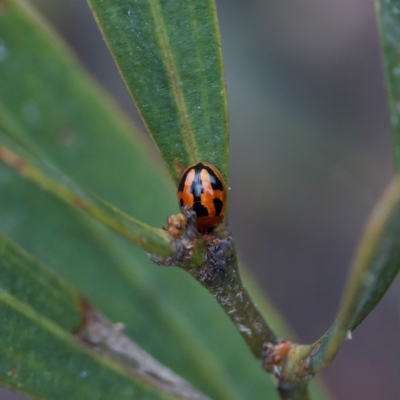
(173, 75)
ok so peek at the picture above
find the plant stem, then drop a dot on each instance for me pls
(211, 259)
(299, 392)
(220, 276)
(110, 340)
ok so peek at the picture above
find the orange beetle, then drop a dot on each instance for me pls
(202, 187)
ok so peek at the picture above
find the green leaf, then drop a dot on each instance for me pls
(375, 266)
(29, 281)
(169, 54)
(388, 16)
(151, 239)
(79, 129)
(47, 363)
(377, 261)
(40, 356)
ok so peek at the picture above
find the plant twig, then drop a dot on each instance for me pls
(219, 274)
(211, 260)
(109, 339)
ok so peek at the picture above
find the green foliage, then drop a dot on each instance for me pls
(377, 260)
(170, 58)
(73, 124)
(39, 355)
(375, 266)
(46, 176)
(66, 136)
(31, 283)
(388, 16)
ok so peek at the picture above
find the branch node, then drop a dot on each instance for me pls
(184, 236)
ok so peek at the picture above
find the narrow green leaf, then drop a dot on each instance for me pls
(31, 349)
(80, 130)
(72, 122)
(25, 278)
(388, 16)
(169, 54)
(151, 239)
(377, 261)
(375, 266)
(40, 356)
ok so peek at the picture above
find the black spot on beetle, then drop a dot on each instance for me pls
(216, 183)
(200, 210)
(218, 206)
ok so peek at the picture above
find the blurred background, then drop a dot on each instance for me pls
(310, 155)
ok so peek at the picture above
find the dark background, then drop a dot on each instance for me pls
(310, 155)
